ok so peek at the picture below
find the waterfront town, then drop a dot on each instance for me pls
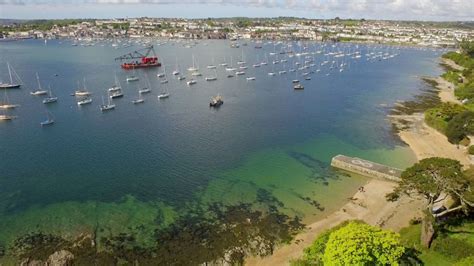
(431, 34)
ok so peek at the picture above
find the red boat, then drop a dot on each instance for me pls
(145, 59)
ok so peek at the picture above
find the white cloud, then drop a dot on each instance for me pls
(390, 9)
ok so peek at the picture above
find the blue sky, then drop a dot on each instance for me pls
(371, 9)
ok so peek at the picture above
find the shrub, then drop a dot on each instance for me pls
(314, 253)
(439, 117)
(363, 244)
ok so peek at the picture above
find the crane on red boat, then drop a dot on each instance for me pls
(145, 60)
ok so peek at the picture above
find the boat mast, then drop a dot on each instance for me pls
(10, 73)
(38, 80)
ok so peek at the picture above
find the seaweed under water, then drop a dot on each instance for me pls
(213, 234)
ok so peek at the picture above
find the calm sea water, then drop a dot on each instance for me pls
(161, 155)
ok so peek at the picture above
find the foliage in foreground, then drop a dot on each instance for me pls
(354, 243)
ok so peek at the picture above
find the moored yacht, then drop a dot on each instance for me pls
(106, 107)
(132, 78)
(117, 94)
(12, 84)
(6, 103)
(40, 90)
(83, 91)
(49, 120)
(116, 86)
(84, 101)
(50, 98)
(163, 95)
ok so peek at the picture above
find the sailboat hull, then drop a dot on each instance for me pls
(10, 86)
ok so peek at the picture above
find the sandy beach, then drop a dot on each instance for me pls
(369, 206)
(427, 142)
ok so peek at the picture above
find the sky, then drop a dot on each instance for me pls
(433, 10)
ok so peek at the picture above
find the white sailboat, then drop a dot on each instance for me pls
(50, 98)
(176, 70)
(38, 91)
(84, 101)
(230, 68)
(106, 107)
(212, 66)
(140, 99)
(83, 91)
(193, 68)
(49, 119)
(212, 78)
(116, 86)
(164, 94)
(6, 103)
(145, 89)
(133, 77)
(11, 85)
(224, 63)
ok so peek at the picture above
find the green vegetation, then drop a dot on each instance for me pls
(452, 76)
(362, 244)
(463, 80)
(452, 246)
(354, 243)
(439, 117)
(434, 176)
(436, 240)
(460, 126)
(468, 48)
(314, 253)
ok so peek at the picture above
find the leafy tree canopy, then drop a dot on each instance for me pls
(362, 244)
(460, 126)
(432, 176)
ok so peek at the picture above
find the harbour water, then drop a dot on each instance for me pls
(124, 168)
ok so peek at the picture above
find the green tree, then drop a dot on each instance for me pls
(461, 125)
(362, 244)
(433, 176)
(314, 253)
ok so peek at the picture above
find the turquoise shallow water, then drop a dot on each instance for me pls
(135, 163)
